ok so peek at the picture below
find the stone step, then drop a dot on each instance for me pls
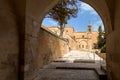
(79, 66)
(55, 65)
(59, 61)
(63, 74)
(101, 74)
(75, 68)
(84, 61)
(103, 67)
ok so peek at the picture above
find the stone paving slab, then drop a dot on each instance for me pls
(73, 65)
(60, 65)
(64, 68)
(103, 67)
(59, 60)
(76, 54)
(58, 74)
(83, 61)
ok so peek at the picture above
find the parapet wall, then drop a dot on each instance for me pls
(50, 47)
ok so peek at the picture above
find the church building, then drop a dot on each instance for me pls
(78, 40)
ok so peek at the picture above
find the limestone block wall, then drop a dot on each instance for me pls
(113, 47)
(35, 12)
(12, 19)
(50, 47)
(72, 44)
(31, 48)
(12, 24)
(8, 45)
(41, 47)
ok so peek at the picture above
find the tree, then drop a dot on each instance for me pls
(62, 12)
(101, 38)
(103, 49)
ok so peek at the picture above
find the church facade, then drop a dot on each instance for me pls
(78, 40)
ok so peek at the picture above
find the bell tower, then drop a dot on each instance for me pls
(89, 27)
(89, 36)
(89, 33)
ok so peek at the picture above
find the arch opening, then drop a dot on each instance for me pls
(36, 20)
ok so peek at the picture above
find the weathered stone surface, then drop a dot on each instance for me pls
(72, 65)
(51, 47)
(53, 74)
(9, 43)
(12, 16)
(42, 47)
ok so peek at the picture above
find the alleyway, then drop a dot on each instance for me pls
(75, 65)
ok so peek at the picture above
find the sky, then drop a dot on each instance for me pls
(86, 15)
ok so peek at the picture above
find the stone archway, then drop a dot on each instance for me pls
(103, 12)
(36, 12)
(105, 8)
(19, 38)
(83, 45)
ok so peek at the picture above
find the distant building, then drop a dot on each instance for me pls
(78, 40)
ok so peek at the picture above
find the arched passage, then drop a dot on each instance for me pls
(103, 12)
(14, 29)
(35, 14)
(35, 11)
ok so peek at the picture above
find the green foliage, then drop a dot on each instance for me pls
(101, 42)
(100, 30)
(101, 38)
(103, 49)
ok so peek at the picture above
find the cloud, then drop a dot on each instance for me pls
(51, 22)
(96, 24)
(87, 8)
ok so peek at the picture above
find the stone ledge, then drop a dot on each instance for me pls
(48, 31)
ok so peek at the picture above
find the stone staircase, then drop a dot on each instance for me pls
(71, 71)
(76, 65)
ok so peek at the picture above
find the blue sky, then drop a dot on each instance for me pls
(85, 16)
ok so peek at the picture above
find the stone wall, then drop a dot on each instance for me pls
(31, 48)
(12, 19)
(8, 44)
(12, 24)
(50, 47)
(41, 47)
(113, 46)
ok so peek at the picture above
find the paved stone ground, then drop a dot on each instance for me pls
(58, 74)
(80, 55)
(54, 65)
(69, 70)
